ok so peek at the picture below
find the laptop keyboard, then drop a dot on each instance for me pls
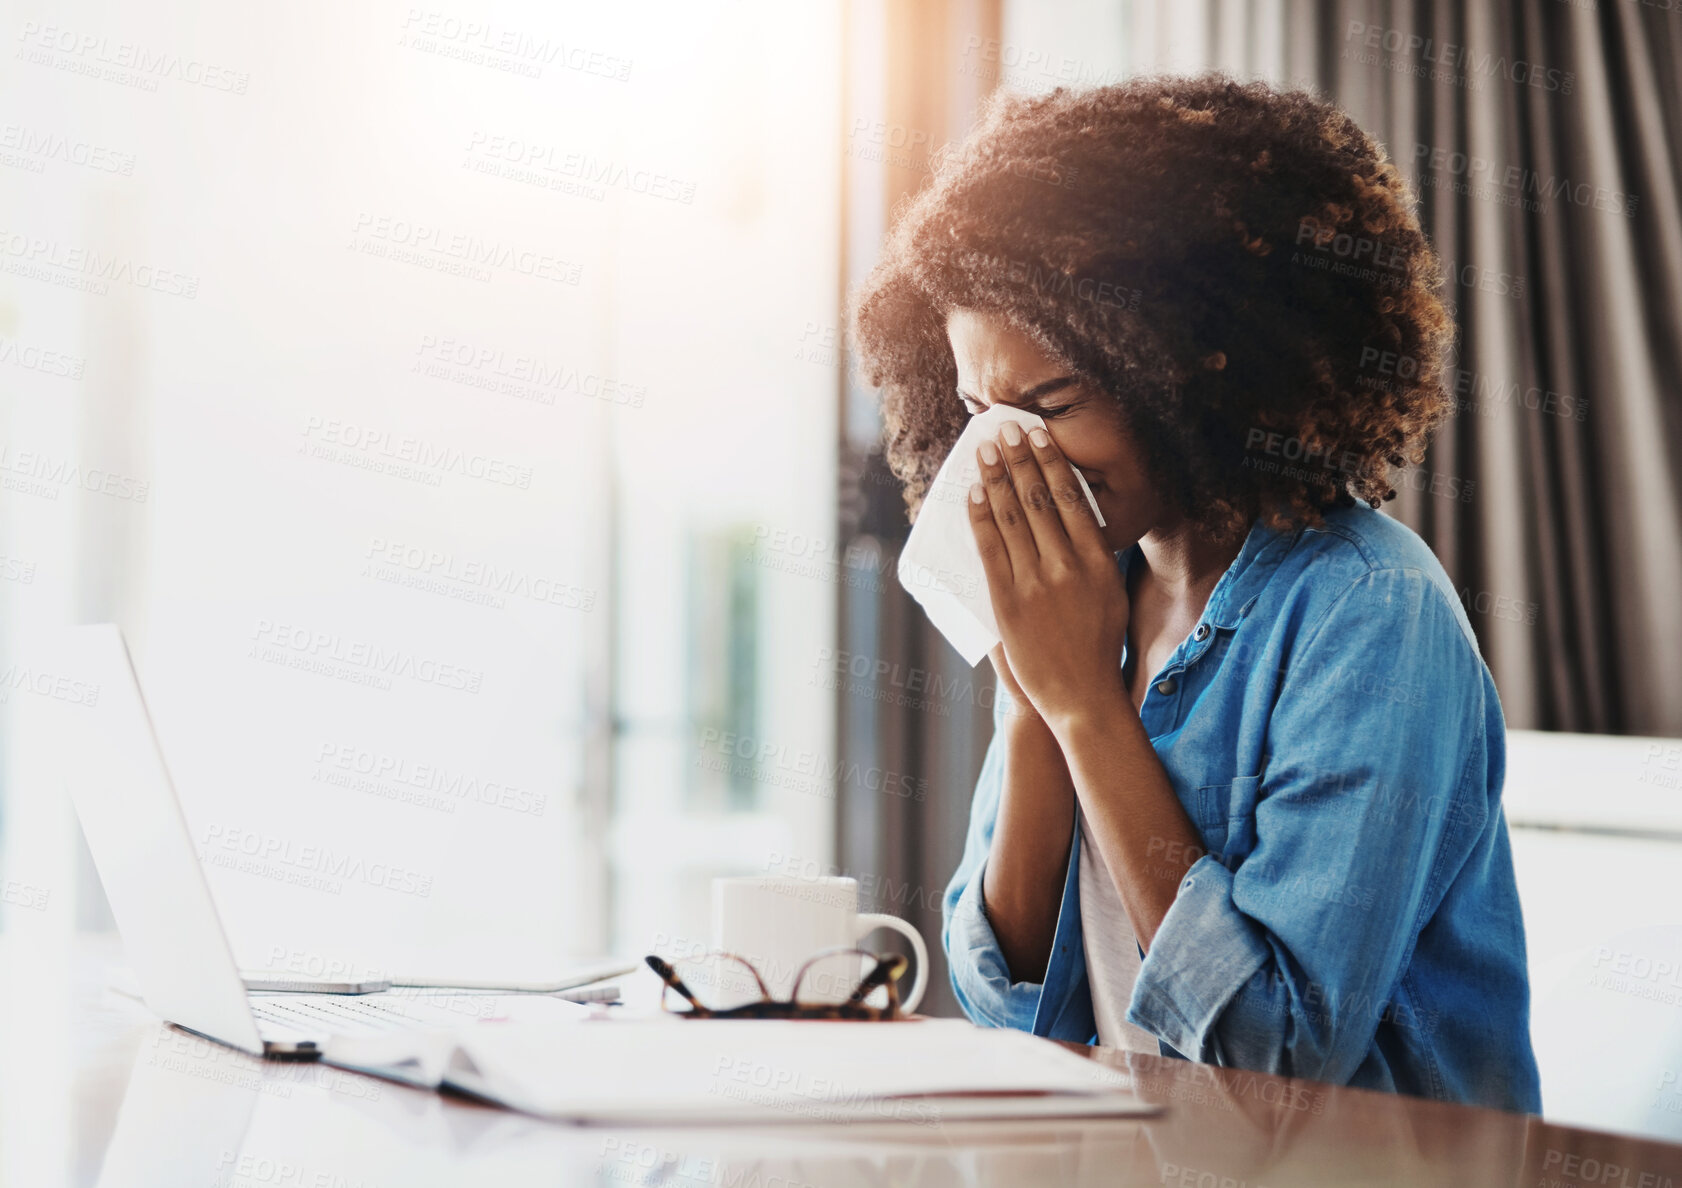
(319, 1014)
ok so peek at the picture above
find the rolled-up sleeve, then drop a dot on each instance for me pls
(980, 978)
(1287, 961)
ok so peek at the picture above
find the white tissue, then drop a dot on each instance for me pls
(940, 564)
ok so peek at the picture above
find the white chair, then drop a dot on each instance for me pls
(1596, 826)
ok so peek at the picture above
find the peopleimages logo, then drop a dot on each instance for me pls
(1514, 185)
(314, 866)
(1042, 278)
(553, 167)
(439, 572)
(30, 472)
(1461, 58)
(525, 377)
(89, 52)
(403, 455)
(37, 257)
(34, 358)
(408, 241)
(331, 654)
(400, 778)
(802, 769)
(46, 684)
(33, 148)
(481, 43)
(16, 569)
(24, 895)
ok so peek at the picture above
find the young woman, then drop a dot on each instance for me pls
(1242, 803)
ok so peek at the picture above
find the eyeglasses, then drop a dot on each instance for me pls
(717, 971)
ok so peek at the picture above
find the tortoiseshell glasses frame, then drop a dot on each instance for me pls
(885, 973)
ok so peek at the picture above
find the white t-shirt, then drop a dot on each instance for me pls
(1112, 951)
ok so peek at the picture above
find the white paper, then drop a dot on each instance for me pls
(420, 1054)
(940, 565)
(413, 1056)
(684, 1070)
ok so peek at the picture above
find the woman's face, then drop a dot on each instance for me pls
(999, 364)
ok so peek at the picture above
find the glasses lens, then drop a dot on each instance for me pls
(829, 978)
(718, 981)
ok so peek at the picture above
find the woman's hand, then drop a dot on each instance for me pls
(1057, 593)
(1021, 712)
(1007, 680)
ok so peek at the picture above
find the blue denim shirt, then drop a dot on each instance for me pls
(1336, 739)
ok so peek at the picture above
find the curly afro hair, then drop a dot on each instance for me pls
(1239, 267)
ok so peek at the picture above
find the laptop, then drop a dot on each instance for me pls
(183, 965)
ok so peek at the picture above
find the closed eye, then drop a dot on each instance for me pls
(975, 409)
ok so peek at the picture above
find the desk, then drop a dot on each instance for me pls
(115, 1098)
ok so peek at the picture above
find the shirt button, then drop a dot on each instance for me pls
(1165, 686)
(1202, 632)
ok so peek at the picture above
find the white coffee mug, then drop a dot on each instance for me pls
(777, 922)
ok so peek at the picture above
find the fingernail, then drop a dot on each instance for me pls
(1039, 437)
(1011, 434)
(989, 453)
(976, 494)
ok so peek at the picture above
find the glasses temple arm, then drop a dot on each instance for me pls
(669, 976)
(887, 973)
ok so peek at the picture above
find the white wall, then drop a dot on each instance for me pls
(652, 196)
(1597, 845)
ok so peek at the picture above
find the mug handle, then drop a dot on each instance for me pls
(869, 922)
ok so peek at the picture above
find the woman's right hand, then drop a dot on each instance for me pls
(1021, 711)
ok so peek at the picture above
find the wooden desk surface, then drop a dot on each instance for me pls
(94, 1091)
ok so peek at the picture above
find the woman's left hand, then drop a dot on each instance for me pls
(1057, 593)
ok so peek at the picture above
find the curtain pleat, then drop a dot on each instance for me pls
(1568, 554)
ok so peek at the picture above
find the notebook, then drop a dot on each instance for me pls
(668, 1070)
